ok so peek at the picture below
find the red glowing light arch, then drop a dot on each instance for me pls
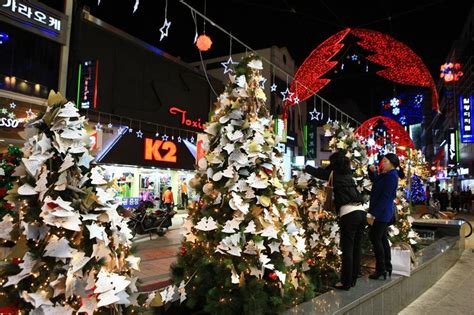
(402, 64)
(396, 132)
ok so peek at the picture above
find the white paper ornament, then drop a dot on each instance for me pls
(67, 163)
(264, 261)
(270, 232)
(26, 190)
(133, 262)
(206, 224)
(58, 248)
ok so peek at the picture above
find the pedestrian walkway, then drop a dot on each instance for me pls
(453, 293)
(157, 255)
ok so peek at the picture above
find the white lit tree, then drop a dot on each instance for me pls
(71, 250)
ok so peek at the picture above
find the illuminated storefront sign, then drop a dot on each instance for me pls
(8, 119)
(87, 84)
(130, 202)
(452, 148)
(466, 111)
(157, 150)
(35, 17)
(185, 120)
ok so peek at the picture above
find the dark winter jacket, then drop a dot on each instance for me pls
(345, 189)
(384, 191)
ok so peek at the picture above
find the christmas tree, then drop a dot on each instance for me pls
(8, 162)
(417, 190)
(244, 245)
(323, 259)
(71, 250)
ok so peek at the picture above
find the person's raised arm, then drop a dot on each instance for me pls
(319, 172)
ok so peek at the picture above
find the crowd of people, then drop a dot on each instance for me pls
(459, 200)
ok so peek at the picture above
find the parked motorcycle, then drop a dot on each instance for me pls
(145, 220)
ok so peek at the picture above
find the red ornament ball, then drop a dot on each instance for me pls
(17, 260)
(272, 275)
(203, 42)
(310, 261)
(183, 251)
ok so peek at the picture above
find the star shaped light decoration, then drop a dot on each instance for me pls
(287, 95)
(261, 82)
(164, 137)
(192, 139)
(29, 113)
(315, 114)
(273, 87)
(329, 121)
(4, 111)
(110, 126)
(296, 100)
(139, 134)
(98, 126)
(354, 57)
(12, 105)
(228, 65)
(130, 129)
(179, 139)
(164, 29)
(11, 115)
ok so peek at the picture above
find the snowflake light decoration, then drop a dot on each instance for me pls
(394, 102)
(396, 111)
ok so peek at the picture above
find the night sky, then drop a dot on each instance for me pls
(428, 27)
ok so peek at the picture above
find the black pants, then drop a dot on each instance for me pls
(352, 228)
(184, 200)
(379, 237)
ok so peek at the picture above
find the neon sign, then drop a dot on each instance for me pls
(10, 121)
(35, 17)
(185, 121)
(153, 149)
(466, 111)
(87, 84)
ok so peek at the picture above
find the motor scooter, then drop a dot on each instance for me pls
(145, 220)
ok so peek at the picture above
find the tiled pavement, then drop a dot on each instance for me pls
(157, 255)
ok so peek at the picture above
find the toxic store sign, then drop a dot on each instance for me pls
(185, 119)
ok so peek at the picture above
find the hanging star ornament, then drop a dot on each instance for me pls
(139, 134)
(287, 95)
(273, 87)
(12, 105)
(135, 7)
(164, 29)
(315, 115)
(164, 137)
(110, 126)
(98, 126)
(192, 139)
(29, 113)
(130, 129)
(296, 100)
(179, 139)
(228, 65)
(261, 82)
(157, 134)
